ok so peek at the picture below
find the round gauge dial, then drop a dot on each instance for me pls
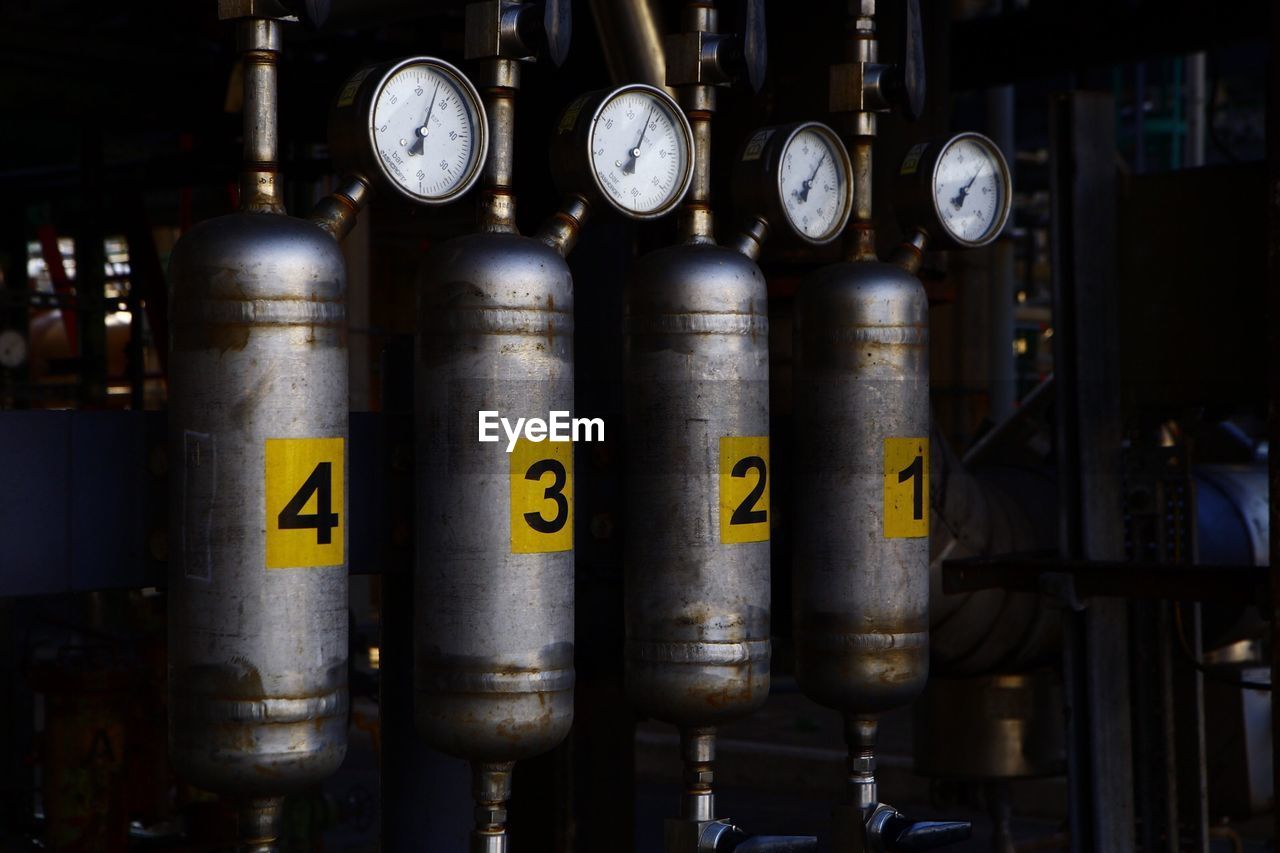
(813, 178)
(417, 124)
(640, 146)
(970, 189)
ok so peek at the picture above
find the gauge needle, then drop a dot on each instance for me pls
(629, 168)
(958, 201)
(416, 146)
(803, 192)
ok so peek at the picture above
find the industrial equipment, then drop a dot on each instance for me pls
(257, 438)
(798, 174)
(696, 382)
(416, 124)
(862, 423)
(494, 588)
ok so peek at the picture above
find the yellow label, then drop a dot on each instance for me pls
(906, 488)
(306, 502)
(348, 94)
(541, 496)
(571, 115)
(912, 161)
(756, 145)
(744, 488)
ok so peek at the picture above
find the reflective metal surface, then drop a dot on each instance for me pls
(991, 727)
(494, 668)
(258, 656)
(861, 377)
(696, 371)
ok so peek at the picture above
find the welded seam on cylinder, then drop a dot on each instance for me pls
(263, 312)
(699, 324)
(267, 710)
(825, 640)
(903, 335)
(499, 321)
(698, 652)
(453, 681)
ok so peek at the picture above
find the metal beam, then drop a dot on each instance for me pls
(1090, 434)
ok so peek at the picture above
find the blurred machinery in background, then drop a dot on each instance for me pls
(981, 467)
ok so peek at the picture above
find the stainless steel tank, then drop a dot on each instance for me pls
(861, 569)
(697, 537)
(257, 417)
(494, 588)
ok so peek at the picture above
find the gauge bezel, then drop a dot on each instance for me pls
(571, 149)
(918, 207)
(354, 146)
(757, 177)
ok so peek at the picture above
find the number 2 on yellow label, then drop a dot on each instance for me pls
(541, 496)
(906, 488)
(744, 488)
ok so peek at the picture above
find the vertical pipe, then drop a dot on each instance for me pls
(861, 46)
(1000, 122)
(497, 199)
(630, 35)
(697, 225)
(1273, 459)
(1197, 110)
(259, 44)
(1096, 658)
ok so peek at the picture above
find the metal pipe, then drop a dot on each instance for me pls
(259, 44)
(750, 240)
(631, 39)
(697, 224)
(1001, 273)
(259, 824)
(337, 212)
(497, 199)
(698, 749)
(1197, 109)
(491, 784)
(860, 737)
(862, 47)
(561, 232)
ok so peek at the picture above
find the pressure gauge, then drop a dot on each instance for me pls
(630, 146)
(798, 174)
(416, 126)
(957, 191)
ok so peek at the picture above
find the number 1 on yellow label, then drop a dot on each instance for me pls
(906, 488)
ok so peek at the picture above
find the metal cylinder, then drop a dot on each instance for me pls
(260, 44)
(697, 540)
(494, 571)
(991, 727)
(257, 437)
(861, 569)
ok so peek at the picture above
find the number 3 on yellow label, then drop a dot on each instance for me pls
(744, 489)
(306, 493)
(541, 496)
(906, 488)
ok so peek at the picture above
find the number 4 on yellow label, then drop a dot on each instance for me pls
(906, 488)
(744, 488)
(541, 496)
(306, 500)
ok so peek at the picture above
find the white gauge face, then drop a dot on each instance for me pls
(969, 190)
(427, 132)
(640, 152)
(814, 184)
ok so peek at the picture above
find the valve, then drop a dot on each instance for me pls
(888, 830)
(904, 83)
